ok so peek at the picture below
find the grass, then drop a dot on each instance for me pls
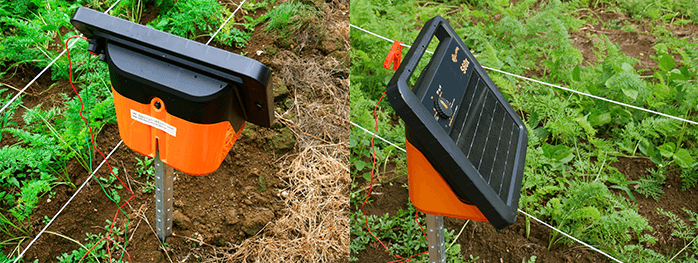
(572, 139)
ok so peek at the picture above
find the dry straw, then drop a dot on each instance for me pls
(316, 226)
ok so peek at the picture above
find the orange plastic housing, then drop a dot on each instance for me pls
(195, 149)
(429, 192)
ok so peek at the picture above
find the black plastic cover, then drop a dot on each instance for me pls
(198, 83)
(480, 150)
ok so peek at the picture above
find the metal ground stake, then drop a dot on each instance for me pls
(163, 198)
(437, 244)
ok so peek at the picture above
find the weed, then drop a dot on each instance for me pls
(7, 115)
(685, 232)
(145, 168)
(652, 185)
(532, 259)
(98, 253)
(289, 17)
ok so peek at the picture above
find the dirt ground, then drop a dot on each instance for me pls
(222, 216)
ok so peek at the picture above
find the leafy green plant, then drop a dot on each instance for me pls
(288, 17)
(145, 168)
(7, 115)
(685, 232)
(652, 185)
(99, 253)
(400, 227)
(190, 18)
(111, 190)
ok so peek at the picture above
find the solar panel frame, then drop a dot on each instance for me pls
(429, 135)
(249, 77)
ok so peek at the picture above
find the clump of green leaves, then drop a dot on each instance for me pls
(99, 252)
(192, 18)
(652, 185)
(400, 231)
(111, 190)
(145, 168)
(289, 17)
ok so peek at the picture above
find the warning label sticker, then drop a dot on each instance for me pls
(151, 121)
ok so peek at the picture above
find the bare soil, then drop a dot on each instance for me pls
(637, 43)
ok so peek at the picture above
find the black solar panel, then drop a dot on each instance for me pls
(458, 119)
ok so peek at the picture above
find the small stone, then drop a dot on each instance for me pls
(262, 199)
(247, 202)
(284, 194)
(181, 220)
(48, 200)
(253, 173)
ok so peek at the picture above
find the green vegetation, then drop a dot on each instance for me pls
(573, 140)
(98, 253)
(145, 168)
(289, 17)
(405, 236)
(197, 18)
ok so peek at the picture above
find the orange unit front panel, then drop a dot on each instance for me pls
(192, 148)
(429, 192)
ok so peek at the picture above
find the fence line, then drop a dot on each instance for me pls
(68, 202)
(46, 68)
(552, 85)
(226, 21)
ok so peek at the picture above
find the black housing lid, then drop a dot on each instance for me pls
(198, 83)
(479, 149)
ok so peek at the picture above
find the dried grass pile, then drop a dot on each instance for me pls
(316, 228)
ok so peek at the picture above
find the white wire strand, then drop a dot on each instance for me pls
(68, 202)
(47, 67)
(540, 221)
(381, 138)
(226, 22)
(553, 85)
(571, 237)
